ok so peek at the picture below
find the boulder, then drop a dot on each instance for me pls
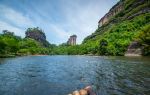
(134, 49)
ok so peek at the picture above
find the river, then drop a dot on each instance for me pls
(60, 75)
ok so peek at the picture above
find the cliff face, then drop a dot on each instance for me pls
(112, 12)
(38, 35)
(122, 6)
(72, 40)
(119, 28)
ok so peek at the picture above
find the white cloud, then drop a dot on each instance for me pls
(82, 20)
(61, 33)
(59, 20)
(13, 21)
(6, 26)
(15, 17)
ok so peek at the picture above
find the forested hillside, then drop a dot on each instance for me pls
(12, 45)
(132, 23)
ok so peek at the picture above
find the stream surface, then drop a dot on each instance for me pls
(60, 75)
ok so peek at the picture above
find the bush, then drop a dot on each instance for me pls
(144, 38)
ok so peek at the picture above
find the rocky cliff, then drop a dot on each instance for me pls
(120, 27)
(123, 5)
(112, 12)
(38, 35)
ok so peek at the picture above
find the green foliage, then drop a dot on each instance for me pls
(11, 44)
(129, 3)
(2, 45)
(116, 39)
(144, 38)
(28, 42)
(137, 9)
(144, 35)
(66, 50)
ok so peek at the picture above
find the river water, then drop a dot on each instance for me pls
(60, 75)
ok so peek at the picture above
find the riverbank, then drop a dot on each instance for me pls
(7, 56)
(16, 55)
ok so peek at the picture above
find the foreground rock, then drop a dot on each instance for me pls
(134, 49)
(86, 91)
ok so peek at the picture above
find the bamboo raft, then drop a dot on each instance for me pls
(86, 91)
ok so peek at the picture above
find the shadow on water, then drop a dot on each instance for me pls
(123, 76)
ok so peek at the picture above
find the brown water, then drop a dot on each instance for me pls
(60, 75)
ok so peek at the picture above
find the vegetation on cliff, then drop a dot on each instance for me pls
(114, 37)
(144, 39)
(38, 35)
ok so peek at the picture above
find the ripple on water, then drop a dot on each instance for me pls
(60, 75)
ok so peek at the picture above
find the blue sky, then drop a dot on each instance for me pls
(57, 18)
